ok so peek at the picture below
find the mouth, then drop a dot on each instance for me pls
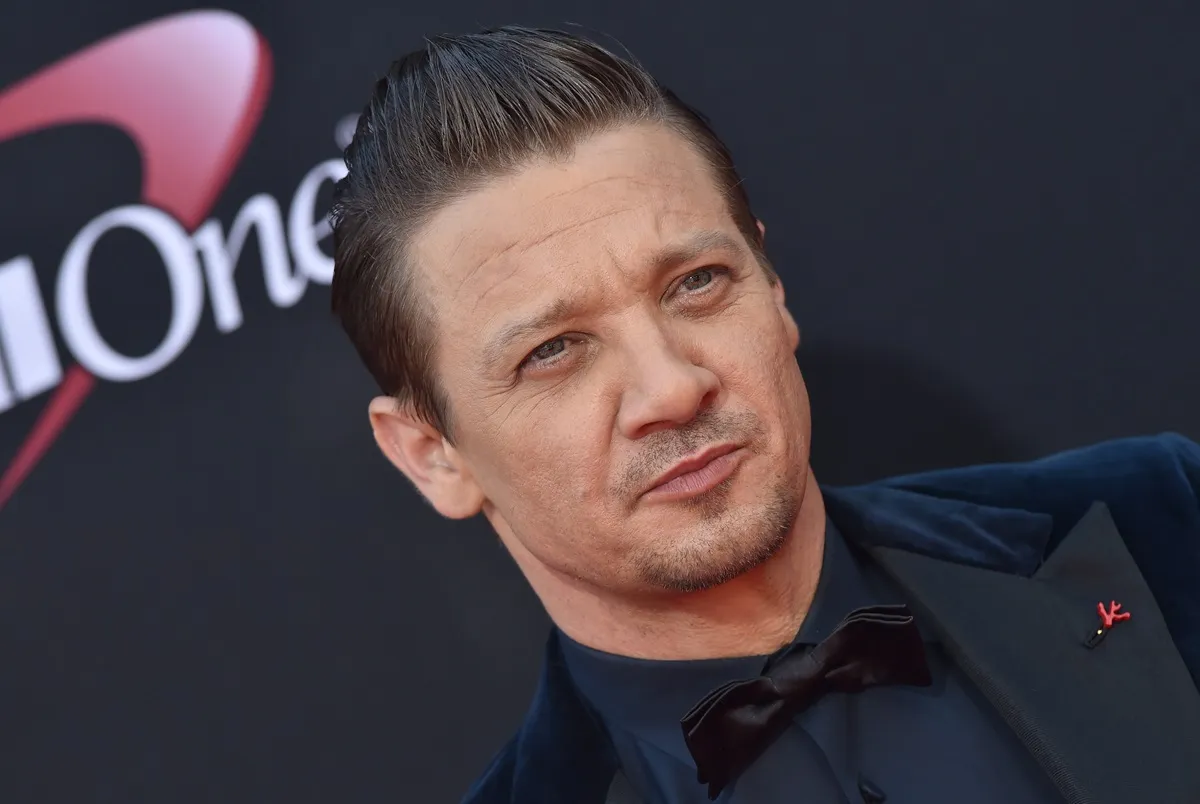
(697, 474)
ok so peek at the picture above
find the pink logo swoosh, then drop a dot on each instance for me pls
(189, 90)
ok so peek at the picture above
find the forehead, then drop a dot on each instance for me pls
(622, 195)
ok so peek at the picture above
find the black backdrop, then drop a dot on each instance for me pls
(213, 589)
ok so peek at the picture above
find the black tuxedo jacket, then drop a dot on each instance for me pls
(1009, 563)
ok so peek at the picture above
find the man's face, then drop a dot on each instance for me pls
(600, 321)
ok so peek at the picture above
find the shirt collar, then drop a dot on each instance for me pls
(647, 698)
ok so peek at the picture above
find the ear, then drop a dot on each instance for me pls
(424, 456)
(789, 322)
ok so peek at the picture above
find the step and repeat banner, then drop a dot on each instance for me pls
(212, 589)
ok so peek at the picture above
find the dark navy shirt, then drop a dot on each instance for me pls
(943, 743)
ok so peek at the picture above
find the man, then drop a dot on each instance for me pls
(551, 267)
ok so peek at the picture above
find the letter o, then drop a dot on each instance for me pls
(187, 294)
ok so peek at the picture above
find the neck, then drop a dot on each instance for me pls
(753, 614)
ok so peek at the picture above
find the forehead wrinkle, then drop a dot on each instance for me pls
(563, 230)
(458, 245)
(634, 179)
(520, 249)
(517, 245)
(631, 179)
(500, 280)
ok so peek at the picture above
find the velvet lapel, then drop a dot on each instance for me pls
(1111, 723)
(562, 752)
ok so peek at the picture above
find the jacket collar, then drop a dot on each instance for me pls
(645, 698)
(562, 752)
(1078, 692)
(1000, 517)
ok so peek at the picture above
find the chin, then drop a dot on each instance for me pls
(726, 542)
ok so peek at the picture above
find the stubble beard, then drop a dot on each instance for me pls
(724, 542)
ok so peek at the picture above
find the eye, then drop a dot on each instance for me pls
(697, 280)
(704, 281)
(545, 354)
(548, 349)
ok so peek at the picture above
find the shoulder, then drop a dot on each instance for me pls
(1132, 475)
(1151, 476)
(1149, 484)
(1167, 458)
(494, 785)
(560, 753)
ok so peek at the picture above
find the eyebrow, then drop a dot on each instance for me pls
(560, 310)
(693, 246)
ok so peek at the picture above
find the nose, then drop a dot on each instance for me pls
(666, 389)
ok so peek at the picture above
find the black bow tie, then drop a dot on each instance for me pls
(735, 723)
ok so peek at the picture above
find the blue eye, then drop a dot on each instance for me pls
(697, 280)
(548, 349)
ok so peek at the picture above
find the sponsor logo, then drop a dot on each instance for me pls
(189, 90)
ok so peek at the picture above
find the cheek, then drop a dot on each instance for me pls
(753, 350)
(551, 454)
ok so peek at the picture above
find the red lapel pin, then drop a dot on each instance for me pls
(1112, 614)
(1109, 617)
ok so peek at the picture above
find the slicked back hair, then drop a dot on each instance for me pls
(444, 121)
